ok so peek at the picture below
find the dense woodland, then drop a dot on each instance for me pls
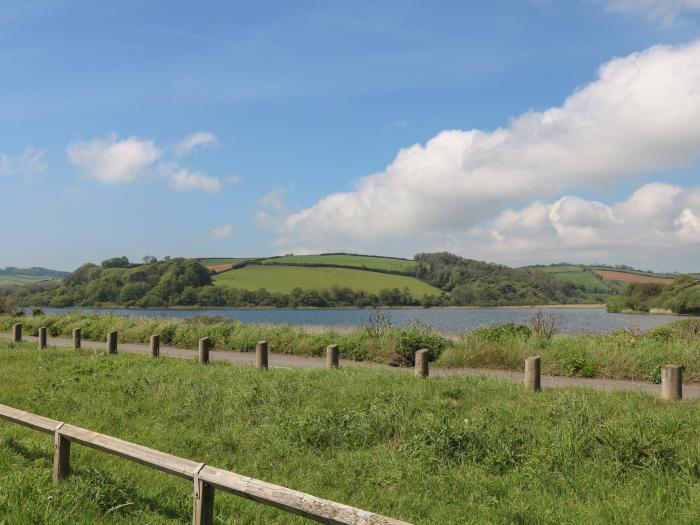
(681, 297)
(186, 282)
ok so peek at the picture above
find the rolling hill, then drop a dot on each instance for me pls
(283, 279)
(12, 276)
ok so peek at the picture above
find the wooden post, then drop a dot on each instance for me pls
(672, 382)
(76, 338)
(203, 513)
(422, 366)
(204, 350)
(17, 333)
(61, 458)
(532, 373)
(42, 338)
(155, 345)
(332, 356)
(261, 355)
(112, 342)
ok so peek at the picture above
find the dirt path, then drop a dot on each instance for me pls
(292, 361)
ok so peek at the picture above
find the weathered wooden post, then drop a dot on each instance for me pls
(203, 503)
(42, 338)
(61, 457)
(76, 338)
(112, 342)
(422, 363)
(204, 350)
(17, 333)
(332, 356)
(261, 355)
(155, 345)
(532, 373)
(672, 382)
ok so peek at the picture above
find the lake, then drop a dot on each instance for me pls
(450, 320)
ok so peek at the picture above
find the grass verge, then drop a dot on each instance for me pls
(439, 451)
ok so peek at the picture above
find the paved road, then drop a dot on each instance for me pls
(292, 361)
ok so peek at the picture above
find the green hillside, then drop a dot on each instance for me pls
(283, 279)
(387, 264)
(213, 261)
(582, 275)
(19, 280)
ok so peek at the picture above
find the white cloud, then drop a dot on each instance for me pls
(182, 179)
(641, 114)
(193, 141)
(658, 223)
(272, 210)
(124, 161)
(113, 160)
(221, 232)
(24, 164)
(664, 11)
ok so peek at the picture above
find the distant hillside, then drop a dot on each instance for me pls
(682, 296)
(324, 280)
(12, 276)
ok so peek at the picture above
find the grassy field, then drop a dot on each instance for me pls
(16, 280)
(225, 260)
(357, 261)
(285, 278)
(622, 355)
(580, 275)
(439, 451)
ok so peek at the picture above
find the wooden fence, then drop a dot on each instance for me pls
(204, 477)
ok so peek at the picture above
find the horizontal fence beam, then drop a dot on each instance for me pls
(306, 505)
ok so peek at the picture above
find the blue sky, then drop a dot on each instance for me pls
(246, 128)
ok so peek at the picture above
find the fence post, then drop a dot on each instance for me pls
(422, 366)
(672, 382)
(112, 342)
(61, 457)
(204, 350)
(261, 355)
(76, 338)
(155, 345)
(42, 338)
(332, 356)
(532, 373)
(203, 500)
(17, 332)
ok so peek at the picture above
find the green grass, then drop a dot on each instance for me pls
(357, 261)
(440, 451)
(621, 355)
(579, 275)
(18, 280)
(225, 260)
(285, 278)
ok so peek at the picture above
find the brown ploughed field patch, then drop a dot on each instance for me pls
(220, 267)
(625, 277)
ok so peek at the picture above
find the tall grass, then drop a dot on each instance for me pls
(622, 354)
(441, 451)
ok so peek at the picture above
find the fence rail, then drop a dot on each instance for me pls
(205, 478)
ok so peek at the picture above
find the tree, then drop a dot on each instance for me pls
(116, 262)
(149, 259)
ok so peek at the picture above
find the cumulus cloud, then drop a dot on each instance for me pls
(115, 161)
(221, 232)
(183, 179)
(112, 160)
(194, 141)
(641, 113)
(664, 11)
(658, 223)
(25, 164)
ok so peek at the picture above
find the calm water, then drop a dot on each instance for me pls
(454, 320)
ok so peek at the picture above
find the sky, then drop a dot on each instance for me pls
(518, 132)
